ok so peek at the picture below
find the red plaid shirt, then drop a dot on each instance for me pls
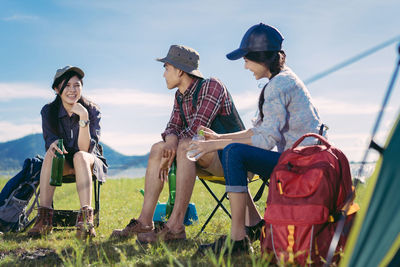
(212, 99)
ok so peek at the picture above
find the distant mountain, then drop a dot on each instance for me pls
(13, 153)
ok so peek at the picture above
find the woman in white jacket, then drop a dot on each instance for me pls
(285, 113)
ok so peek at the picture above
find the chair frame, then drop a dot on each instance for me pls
(225, 196)
(67, 218)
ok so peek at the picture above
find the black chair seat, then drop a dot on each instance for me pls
(69, 179)
(67, 218)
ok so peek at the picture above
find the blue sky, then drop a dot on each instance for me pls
(116, 42)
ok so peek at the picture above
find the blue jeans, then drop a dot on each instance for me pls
(238, 159)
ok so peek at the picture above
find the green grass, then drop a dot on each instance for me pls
(120, 201)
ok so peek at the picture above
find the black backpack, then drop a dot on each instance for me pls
(16, 195)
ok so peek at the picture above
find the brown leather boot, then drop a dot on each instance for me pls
(84, 223)
(43, 224)
(133, 228)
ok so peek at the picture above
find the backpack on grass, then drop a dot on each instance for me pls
(16, 195)
(307, 193)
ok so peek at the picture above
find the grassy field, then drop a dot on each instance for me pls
(120, 201)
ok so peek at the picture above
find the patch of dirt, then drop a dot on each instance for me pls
(35, 257)
(39, 253)
(3, 255)
(38, 257)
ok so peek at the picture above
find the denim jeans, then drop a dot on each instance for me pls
(238, 159)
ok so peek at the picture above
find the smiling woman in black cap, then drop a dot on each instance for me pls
(285, 113)
(74, 119)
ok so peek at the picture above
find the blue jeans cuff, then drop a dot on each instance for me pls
(236, 189)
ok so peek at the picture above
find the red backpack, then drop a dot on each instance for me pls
(307, 192)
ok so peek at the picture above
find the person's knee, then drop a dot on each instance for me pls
(231, 150)
(48, 159)
(208, 160)
(157, 148)
(81, 157)
(183, 145)
(48, 156)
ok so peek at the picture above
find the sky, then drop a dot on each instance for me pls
(116, 43)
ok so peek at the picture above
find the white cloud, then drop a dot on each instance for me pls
(19, 17)
(130, 143)
(339, 107)
(109, 96)
(11, 91)
(348, 136)
(10, 131)
(131, 97)
(246, 100)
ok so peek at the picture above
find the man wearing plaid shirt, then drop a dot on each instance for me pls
(198, 102)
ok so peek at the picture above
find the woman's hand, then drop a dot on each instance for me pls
(203, 147)
(209, 134)
(54, 147)
(80, 110)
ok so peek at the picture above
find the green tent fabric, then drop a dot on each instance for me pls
(375, 236)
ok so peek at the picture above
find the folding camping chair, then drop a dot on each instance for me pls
(221, 181)
(67, 218)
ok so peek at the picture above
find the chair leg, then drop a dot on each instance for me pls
(96, 188)
(66, 218)
(219, 204)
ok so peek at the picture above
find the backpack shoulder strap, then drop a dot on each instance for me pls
(194, 101)
(196, 92)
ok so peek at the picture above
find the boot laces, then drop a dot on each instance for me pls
(133, 222)
(159, 228)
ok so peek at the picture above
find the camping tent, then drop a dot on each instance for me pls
(375, 236)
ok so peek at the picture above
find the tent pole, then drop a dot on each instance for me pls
(342, 218)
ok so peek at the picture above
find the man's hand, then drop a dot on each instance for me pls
(164, 168)
(168, 156)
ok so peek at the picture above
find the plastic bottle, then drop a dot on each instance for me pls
(57, 167)
(192, 154)
(172, 189)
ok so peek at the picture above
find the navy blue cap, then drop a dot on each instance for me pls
(260, 37)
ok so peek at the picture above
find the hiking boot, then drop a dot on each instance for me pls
(134, 227)
(223, 245)
(43, 224)
(84, 223)
(162, 233)
(254, 232)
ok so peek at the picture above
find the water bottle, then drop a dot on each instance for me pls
(57, 167)
(192, 153)
(172, 189)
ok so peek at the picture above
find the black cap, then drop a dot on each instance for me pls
(260, 37)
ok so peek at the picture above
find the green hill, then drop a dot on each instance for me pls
(14, 152)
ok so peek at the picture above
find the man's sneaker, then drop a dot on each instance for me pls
(162, 233)
(254, 232)
(134, 227)
(225, 246)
